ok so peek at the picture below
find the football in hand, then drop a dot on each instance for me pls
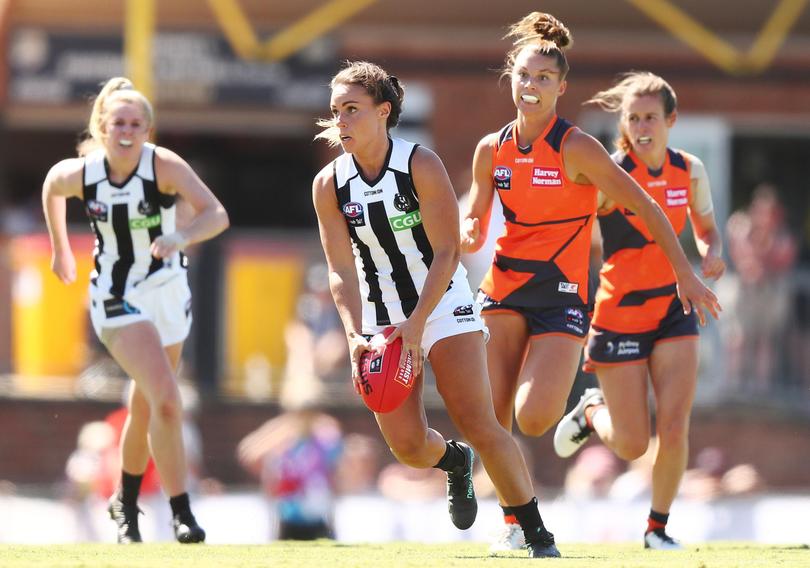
(384, 385)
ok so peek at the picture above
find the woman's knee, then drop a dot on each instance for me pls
(532, 422)
(673, 433)
(484, 434)
(410, 449)
(630, 448)
(165, 402)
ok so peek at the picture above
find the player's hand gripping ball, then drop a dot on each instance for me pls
(384, 385)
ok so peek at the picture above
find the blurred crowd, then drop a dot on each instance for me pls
(766, 323)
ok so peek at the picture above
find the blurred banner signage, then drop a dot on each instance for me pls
(190, 68)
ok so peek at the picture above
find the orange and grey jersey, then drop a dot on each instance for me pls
(541, 260)
(391, 248)
(637, 283)
(126, 218)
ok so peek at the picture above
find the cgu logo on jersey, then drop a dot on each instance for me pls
(355, 216)
(676, 197)
(407, 221)
(546, 177)
(503, 177)
(145, 222)
(96, 210)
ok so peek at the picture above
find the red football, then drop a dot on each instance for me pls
(383, 385)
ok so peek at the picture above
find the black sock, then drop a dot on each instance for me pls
(130, 487)
(180, 504)
(531, 522)
(657, 521)
(507, 511)
(453, 457)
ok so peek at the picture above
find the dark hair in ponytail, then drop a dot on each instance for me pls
(545, 34)
(379, 85)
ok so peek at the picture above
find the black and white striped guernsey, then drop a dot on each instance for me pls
(126, 218)
(391, 249)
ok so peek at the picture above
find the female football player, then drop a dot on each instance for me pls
(140, 303)
(639, 326)
(535, 297)
(386, 214)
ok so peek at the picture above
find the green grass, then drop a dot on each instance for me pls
(329, 554)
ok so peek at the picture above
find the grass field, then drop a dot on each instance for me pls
(329, 554)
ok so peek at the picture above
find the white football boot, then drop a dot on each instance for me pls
(660, 540)
(573, 429)
(510, 538)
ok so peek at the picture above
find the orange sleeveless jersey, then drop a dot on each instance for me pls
(637, 283)
(541, 260)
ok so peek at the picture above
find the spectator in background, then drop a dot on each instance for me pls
(316, 346)
(763, 252)
(712, 477)
(359, 465)
(85, 470)
(295, 456)
(592, 474)
(635, 483)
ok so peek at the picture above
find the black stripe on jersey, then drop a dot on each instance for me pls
(343, 195)
(511, 219)
(405, 187)
(126, 253)
(509, 215)
(152, 197)
(166, 200)
(406, 289)
(555, 136)
(505, 134)
(574, 236)
(624, 161)
(677, 160)
(542, 288)
(89, 193)
(619, 234)
(639, 297)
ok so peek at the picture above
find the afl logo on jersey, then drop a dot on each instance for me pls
(355, 216)
(96, 210)
(503, 177)
(402, 202)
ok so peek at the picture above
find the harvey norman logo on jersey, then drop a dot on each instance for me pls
(546, 177)
(407, 221)
(677, 197)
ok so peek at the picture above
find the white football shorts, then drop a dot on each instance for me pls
(167, 305)
(456, 313)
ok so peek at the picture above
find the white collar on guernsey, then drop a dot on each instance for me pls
(95, 171)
